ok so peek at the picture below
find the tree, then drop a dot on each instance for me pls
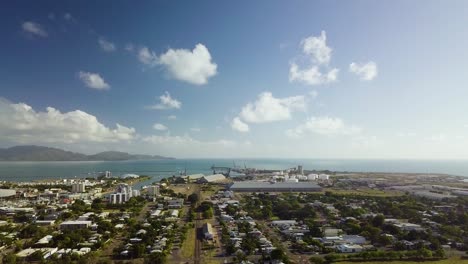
(385, 240)
(97, 205)
(316, 260)
(332, 258)
(156, 258)
(138, 250)
(21, 217)
(439, 253)
(179, 180)
(207, 214)
(378, 220)
(424, 253)
(249, 244)
(277, 254)
(193, 198)
(9, 259)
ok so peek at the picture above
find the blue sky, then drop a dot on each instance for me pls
(296, 79)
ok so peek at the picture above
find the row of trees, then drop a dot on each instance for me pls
(421, 254)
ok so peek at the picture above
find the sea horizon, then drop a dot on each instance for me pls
(38, 170)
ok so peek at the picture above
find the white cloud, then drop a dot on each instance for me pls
(69, 17)
(366, 71)
(313, 94)
(172, 117)
(194, 66)
(93, 80)
(312, 75)
(406, 134)
(191, 66)
(187, 146)
(147, 56)
(238, 125)
(323, 126)
(317, 48)
(20, 123)
(366, 142)
(129, 47)
(269, 109)
(189, 143)
(34, 29)
(316, 70)
(167, 102)
(195, 129)
(437, 138)
(159, 127)
(106, 46)
(168, 139)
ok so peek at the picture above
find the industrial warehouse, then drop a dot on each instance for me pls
(255, 186)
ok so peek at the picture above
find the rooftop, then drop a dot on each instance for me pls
(279, 186)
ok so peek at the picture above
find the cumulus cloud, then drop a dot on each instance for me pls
(194, 67)
(147, 56)
(238, 125)
(188, 142)
(323, 126)
(20, 123)
(312, 75)
(195, 129)
(167, 102)
(159, 127)
(316, 70)
(34, 29)
(316, 47)
(366, 71)
(269, 109)
(106, 46)
(172, 117)
(93, 80)
(191, 66)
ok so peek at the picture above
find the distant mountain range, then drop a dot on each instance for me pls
(39, 153)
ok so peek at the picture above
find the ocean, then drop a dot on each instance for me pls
(158, 169)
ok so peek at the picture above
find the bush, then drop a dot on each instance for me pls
(316, 260)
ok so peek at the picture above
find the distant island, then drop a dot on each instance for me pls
(40, 153)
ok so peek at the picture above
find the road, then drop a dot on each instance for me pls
(198, 236)
(142, 215)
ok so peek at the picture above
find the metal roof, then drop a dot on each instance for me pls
(7, 192)
(272, 186)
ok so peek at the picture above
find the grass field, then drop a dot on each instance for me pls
(188, 247)
(453, 260)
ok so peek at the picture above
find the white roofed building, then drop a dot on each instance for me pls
(212, 178)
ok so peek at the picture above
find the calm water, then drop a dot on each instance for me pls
(27, 171)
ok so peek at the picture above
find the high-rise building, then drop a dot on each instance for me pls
(122, 194)
(300, 170)
(153, 190)
(78, 187)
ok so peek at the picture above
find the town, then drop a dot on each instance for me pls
(243, 216)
